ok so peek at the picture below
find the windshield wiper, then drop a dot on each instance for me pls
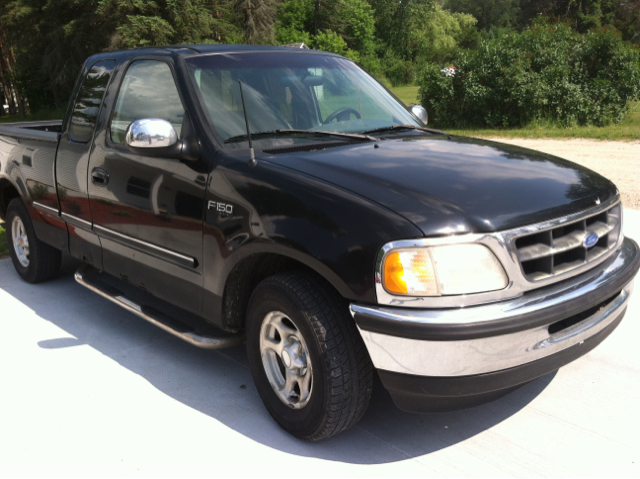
(355, 136)
(404, 127)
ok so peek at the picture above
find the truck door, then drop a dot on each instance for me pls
(72, 161)
(148, 211)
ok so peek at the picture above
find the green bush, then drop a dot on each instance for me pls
(547, 74)
(330, 42)
(372, 64)
(398, 71)
(286, 35)
(401, 73)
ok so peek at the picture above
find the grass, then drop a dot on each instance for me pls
(41, 115)
(627, 130)
(4, 246)
(408, 93)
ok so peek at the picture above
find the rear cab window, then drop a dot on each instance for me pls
(87, 106)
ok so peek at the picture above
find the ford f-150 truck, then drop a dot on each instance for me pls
(285, 198)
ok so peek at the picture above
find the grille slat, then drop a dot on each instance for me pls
(564, 267)
(570, 241)
(558, 250)
(535, 251)
(600, 228)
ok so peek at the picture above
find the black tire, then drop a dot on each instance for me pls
(44, 260)
(341, 368)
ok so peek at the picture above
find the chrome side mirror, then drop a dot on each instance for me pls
(151, 133)
(419, 112)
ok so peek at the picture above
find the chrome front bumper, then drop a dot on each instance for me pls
(494, 337)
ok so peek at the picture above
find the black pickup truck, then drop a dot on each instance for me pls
(286, 198)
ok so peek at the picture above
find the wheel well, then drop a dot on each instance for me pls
(7, 193)
(244, 278)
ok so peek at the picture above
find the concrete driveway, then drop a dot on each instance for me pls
(88, 389)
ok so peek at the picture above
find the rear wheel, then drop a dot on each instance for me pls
(306, 356)
(34, 260)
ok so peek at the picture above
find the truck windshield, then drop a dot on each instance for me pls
(292, 91)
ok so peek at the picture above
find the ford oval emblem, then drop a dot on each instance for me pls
(591, 240)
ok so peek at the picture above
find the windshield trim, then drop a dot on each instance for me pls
(397, 128)
(353, 136)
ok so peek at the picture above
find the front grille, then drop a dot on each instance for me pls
(555, 251)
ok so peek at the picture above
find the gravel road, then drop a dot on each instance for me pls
(617, 160)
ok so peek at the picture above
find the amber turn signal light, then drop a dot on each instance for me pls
(410, 272)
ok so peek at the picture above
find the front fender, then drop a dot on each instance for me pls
(279, 211)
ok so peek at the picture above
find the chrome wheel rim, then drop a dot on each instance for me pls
(20, 241)
(286, 361)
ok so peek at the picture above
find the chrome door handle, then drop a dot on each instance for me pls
(99, 177)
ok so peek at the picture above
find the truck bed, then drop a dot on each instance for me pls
(48, 130)
(27, 156)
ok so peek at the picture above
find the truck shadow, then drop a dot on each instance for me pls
(219, 384)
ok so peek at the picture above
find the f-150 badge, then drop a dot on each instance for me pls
(222, 208)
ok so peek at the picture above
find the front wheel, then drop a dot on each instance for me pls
(34, 260)
(307, 358)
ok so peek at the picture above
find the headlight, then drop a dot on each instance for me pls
(443, 270)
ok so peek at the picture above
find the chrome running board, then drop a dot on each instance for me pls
(89, 277)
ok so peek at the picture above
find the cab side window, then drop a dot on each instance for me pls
(85, 111)
(148, 91)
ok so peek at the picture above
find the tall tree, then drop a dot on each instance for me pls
(11, 92)
(396, 22)
(585, 15)
(327, 15)
(147, 22)
(359, 26)
(54, 37)
(489, 13)
(311, 22)
(628, 20)
(257, 18)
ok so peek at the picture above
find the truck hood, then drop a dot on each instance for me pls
(448, 185)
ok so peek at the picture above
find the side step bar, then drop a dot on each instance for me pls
(88, 277)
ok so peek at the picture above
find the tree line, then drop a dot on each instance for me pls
(43, 43)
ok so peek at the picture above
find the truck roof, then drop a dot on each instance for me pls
(190, 50)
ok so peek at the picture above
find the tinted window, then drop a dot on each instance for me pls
(147, 91)
(85, 111)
